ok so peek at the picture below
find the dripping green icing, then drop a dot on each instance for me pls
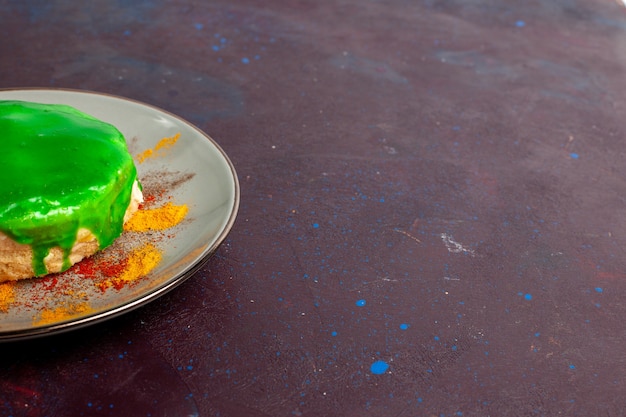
(59, 168)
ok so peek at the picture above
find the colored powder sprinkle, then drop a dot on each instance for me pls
(163, 145)
(520, 23)
(160, 218)
(333, 334)
(360, 303)
(7, 295)
(404, 326)
(528, 297)
(138, 264)
(113, 269)
(574, 155)
(599, 289)
(62, 313)
(379, 367)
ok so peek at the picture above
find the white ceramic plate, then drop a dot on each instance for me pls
(195, 171)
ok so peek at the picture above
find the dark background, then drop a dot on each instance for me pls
(437, 185)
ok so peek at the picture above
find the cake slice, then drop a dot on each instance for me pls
(67, 185)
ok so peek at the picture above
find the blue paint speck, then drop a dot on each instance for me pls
(574, 155)
(404, 326)
(572, 366)
(215, 48)
(316, 225)
(379, 367)
(537, 334)
(198, 26)
(334, 333)
(436, 338)
(520, 23)
(245, 60)
(360, 303)
(599, 289)
(528, 297)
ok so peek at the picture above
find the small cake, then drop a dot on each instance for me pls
(67, 185)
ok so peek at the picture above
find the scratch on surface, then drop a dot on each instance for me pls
(379, 280)
(126, 381)
(407, 234)
(454, 246)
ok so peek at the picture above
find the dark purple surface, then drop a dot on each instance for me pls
(431, 220)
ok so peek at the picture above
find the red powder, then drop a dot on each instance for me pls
(149, 199)
(49, 282)
(112, 269)
(118, 284)
(86, 268)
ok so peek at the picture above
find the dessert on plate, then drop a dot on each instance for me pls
(67, 185)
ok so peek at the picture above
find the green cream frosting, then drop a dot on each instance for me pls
(61, 170)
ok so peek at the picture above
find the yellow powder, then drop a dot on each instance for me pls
(156, 219)
(138, 264)
(62, 313)
(160, 147)
(7, 295)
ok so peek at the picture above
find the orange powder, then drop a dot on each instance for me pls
(160, 218)
(160, 147)
(138, 264)
(7, 295)
(62, 313)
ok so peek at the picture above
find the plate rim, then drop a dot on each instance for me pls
(168, 285)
